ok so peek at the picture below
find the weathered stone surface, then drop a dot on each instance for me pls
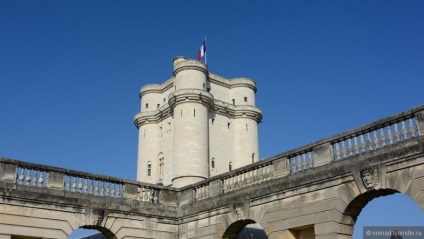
(8, 172)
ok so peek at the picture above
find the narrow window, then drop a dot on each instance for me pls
(149, 169)
(181, 113)
(161, 168)
(147, 105)
(230, 167)
(158, 105)
(229, 125)
(213, 163)
(245, 99)
(253, 157)
(213, 120)
(246, 128)
(163, 99)
(194, 113)
(204, 86)
(234, 101)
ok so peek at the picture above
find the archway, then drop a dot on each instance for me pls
(244, 229)
(384, 207)
(92, 232)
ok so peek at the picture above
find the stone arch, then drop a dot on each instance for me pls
(409, 181)
(354, 208)
(239, 227)
(106, 232)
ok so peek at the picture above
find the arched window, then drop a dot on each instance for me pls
(149, 169)
(213, 163)
(230, 166)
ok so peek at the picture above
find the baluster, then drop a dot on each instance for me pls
(107, 189)
(304, 161)
(28, 177)
(363, 147)
(96, 188)
(404, 131)
(293, 165)
(35, 178)
(383, 137)
(411, 128)
(389, 134)
(350, 148)
(155, 197)
(337, 150)
(369, 142)
(74, 184)
(344, 151)
(397, 133)
(356, 145)
(102, 189)
(84, 189)
(112, 191)
(91, 187)
(376, 141)
(79, 185)
(119, 191)
(22, 176)
(41, 179)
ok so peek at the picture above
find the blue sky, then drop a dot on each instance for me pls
(70, 71)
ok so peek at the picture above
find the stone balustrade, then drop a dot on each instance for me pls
(370, 137)
(376, 135)
(24, 175)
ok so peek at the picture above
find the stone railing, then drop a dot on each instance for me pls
(381, 133)
(24, 175)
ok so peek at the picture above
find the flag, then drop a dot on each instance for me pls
(202, 50)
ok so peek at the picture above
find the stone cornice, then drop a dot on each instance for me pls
(233, 83)
(190, 67)
(238, 111)
(152, 117)
(190, 95)
(156, 88)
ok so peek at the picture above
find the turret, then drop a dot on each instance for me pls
(190, 104)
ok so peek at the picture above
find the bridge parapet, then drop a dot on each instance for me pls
(370, 137)
(23, 175)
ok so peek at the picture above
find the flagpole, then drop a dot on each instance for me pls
(206, 53)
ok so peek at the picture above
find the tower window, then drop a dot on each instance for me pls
(194, 113)
(234, 101)
(213, 163)
(213, 120)
(230, 166)
(149, 169)
(245, 99)
(163, 99)
(247, 128)
(161, 168)
(204, 86)
(147, 105)
(158, 105)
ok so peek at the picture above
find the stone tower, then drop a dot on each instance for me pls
(196, 125)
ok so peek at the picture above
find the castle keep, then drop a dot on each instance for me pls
(196, 125)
